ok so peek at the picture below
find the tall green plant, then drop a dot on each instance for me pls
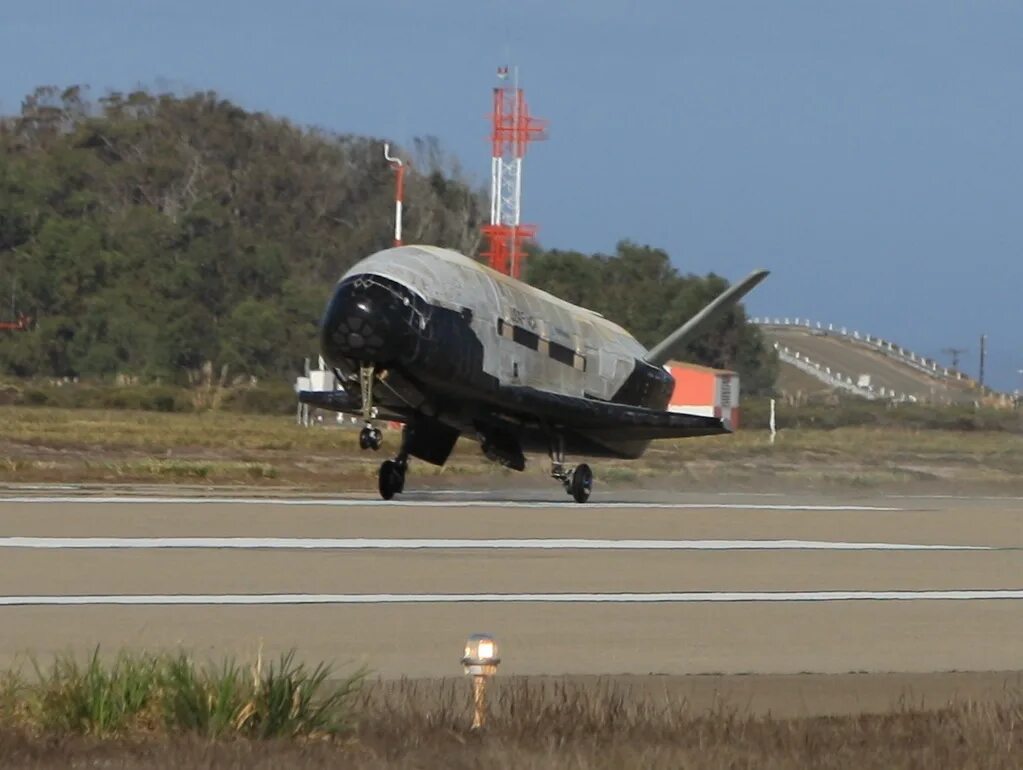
(203, 699)
(93, 698)
(294, 700)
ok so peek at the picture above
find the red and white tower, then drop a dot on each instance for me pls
(513, 129)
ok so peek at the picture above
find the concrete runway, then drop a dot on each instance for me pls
(715, 584)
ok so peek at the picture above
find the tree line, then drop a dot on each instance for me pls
(155, 235)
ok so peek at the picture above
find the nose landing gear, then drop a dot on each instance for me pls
(578, 481)
(370, 437)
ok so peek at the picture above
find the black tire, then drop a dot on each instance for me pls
(391, 480)
(582, 483)
(364, 439)
(376, 439)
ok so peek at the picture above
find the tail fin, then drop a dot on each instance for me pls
(661, 352)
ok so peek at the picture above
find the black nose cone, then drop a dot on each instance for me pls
(367, 320)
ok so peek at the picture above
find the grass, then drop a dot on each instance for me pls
(533, 723)
(91, 697)
(172, 693)
(39, 444)
(287, 700)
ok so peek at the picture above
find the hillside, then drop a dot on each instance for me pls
(154, 236)
(148, 234)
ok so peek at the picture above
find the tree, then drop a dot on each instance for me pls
(151, 233)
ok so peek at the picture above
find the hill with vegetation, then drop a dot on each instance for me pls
(155, 236)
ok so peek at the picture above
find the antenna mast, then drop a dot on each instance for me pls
(513, 128)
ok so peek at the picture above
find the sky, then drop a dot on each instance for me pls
(869, 153)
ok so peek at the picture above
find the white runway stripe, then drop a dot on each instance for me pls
(355, 544)
(348, 503)
(572, 598)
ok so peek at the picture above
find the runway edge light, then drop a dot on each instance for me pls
(480, 661)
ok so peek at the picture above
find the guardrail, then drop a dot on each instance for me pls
(921, 363)
(837, 379)
(905, 356)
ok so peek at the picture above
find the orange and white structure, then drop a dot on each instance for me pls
(22, 324)
(399, 190)
(705, 391)
(513, 128)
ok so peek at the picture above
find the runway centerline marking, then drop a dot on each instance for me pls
(567, 544)
(548, 598)
(348, 502)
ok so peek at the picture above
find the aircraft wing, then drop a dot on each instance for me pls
(595, 416)
(333, 400)
(625, 422)
(349, 403)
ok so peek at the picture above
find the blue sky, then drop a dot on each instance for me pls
(869, 153)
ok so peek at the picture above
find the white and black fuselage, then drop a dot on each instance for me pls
(458, 348)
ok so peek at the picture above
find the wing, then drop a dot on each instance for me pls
(593, 416)
(349, 403)
(622, 421)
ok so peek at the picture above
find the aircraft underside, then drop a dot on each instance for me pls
(509, 423)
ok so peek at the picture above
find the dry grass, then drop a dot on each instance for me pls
(40, 444)
(560, 725)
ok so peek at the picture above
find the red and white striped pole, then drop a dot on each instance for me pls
(399, 190)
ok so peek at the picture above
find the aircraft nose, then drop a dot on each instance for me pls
(366, 320)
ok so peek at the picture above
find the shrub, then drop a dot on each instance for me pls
(92, 698)
(857, 412)
(288, 699)
(267, 398)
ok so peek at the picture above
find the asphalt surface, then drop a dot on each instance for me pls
(372, 582)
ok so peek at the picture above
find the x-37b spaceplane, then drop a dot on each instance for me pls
(449, 347)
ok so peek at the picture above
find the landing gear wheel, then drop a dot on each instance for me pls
(391, 479)
(370, 438)
(581, 484)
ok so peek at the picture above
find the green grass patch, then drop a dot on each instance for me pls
(172, 692)
(271, 397)
(92, 697)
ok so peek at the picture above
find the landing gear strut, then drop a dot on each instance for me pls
(391, 478)
(370, 436)
(578, 481)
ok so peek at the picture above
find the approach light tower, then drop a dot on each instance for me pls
(513, 129)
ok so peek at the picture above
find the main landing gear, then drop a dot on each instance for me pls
(391, 478)
(578, 481)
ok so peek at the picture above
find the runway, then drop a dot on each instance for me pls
(646, 583)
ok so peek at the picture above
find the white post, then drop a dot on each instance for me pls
(774, 430)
